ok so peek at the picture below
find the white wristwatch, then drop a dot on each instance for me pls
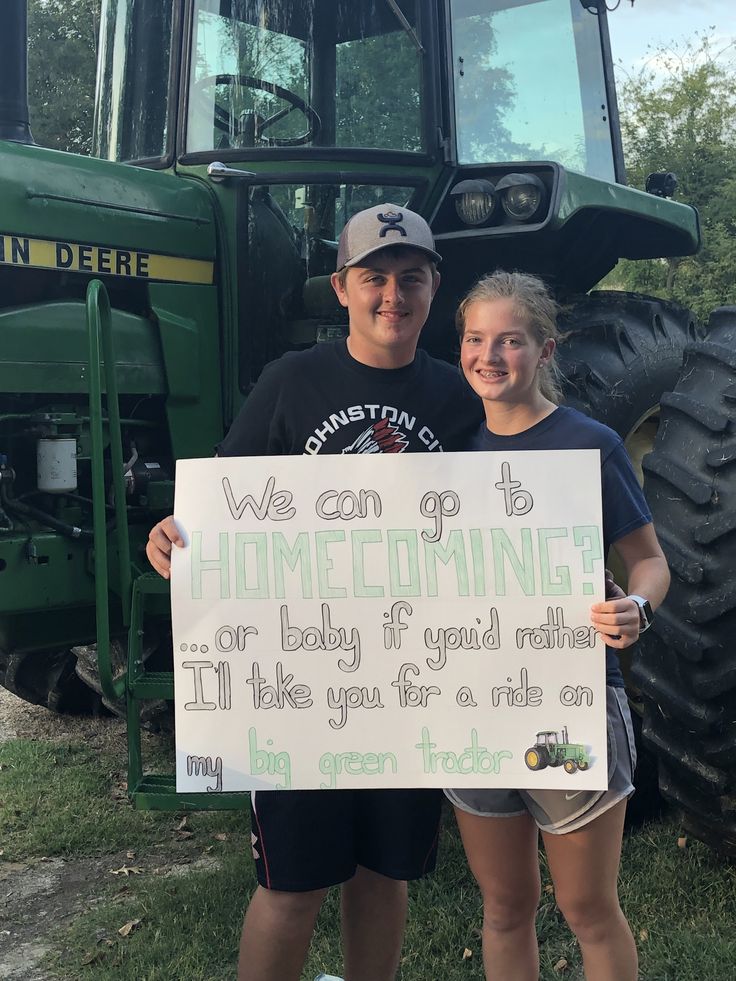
(646, 614)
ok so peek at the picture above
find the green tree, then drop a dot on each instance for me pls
(62, 63)
(683, 119)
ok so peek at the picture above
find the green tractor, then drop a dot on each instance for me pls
(555, 749)
(143, 289)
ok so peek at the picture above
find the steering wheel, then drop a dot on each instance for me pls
(223, 118)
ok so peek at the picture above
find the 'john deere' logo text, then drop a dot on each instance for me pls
(80, 257)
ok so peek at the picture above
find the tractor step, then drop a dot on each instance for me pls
(150, 791)
(157, 792)
(153, 684)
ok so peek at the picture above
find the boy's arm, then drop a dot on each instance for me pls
(158, 548)
(254, 432)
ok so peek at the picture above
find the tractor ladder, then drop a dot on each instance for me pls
(142, 596)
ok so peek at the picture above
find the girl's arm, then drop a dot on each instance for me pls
(648, 576)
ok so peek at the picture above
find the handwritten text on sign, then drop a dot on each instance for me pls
(389, 621)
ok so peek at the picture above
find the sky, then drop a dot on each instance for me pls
(657, 23)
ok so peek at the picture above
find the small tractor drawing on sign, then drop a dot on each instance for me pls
(555, 749)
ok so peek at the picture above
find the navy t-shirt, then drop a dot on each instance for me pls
(624, 506)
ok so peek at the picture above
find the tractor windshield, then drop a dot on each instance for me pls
(529, 84)
(310, 73)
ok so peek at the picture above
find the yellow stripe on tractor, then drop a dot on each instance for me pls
(36, 253)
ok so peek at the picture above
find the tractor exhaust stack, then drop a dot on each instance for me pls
(14, 122)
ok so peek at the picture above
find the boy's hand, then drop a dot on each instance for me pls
(160, 540)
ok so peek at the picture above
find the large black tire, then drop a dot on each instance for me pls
(536, 758)
(687, 672)
(48, 678)
(620, 353)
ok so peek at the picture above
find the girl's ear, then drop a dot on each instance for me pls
(548, 349)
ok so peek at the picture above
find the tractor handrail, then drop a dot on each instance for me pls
(99, 333)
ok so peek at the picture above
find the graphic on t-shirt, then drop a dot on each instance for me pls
(381, 437)
(555, 749)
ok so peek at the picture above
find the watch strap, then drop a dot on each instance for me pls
(646, 614)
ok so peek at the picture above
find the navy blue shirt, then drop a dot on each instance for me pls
(624, 506)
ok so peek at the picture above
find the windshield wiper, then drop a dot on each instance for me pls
(405, 24)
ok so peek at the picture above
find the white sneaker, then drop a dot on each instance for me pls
(327, 977)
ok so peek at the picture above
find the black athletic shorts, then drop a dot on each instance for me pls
(310, 839)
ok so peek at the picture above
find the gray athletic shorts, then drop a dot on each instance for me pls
(557, 811)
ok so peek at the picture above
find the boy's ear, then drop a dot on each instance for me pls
(339, 289)
(435, 282)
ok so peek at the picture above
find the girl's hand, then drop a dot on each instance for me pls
(613, 590)
(617, 621)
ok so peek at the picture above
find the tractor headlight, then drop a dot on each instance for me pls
(523, 196)
(475, 201)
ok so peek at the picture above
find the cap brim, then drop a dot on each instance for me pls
(357, 259)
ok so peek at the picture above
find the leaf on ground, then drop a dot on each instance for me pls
(549, 889)
(467, 954)
(682, 842)
(127, 928)
(220, 837)
(130, 854)
(561, 965)
(182, 824)
(182, 835)
(127, 870)
(93, 956)
(644, 935)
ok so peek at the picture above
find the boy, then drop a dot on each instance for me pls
(373, 393)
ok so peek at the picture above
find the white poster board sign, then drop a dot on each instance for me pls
(389, 620)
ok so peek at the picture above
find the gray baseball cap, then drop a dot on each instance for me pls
(381, 226)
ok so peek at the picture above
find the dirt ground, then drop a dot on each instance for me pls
(41, 895)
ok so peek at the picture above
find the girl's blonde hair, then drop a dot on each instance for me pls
(533, 303)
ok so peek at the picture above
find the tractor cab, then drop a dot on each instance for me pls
(297, 115)
(496, 119)
(469, 81)
(547, 739)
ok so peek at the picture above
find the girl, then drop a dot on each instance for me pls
(507, 327)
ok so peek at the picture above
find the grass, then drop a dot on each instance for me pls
(64, 799)
(60, 800)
